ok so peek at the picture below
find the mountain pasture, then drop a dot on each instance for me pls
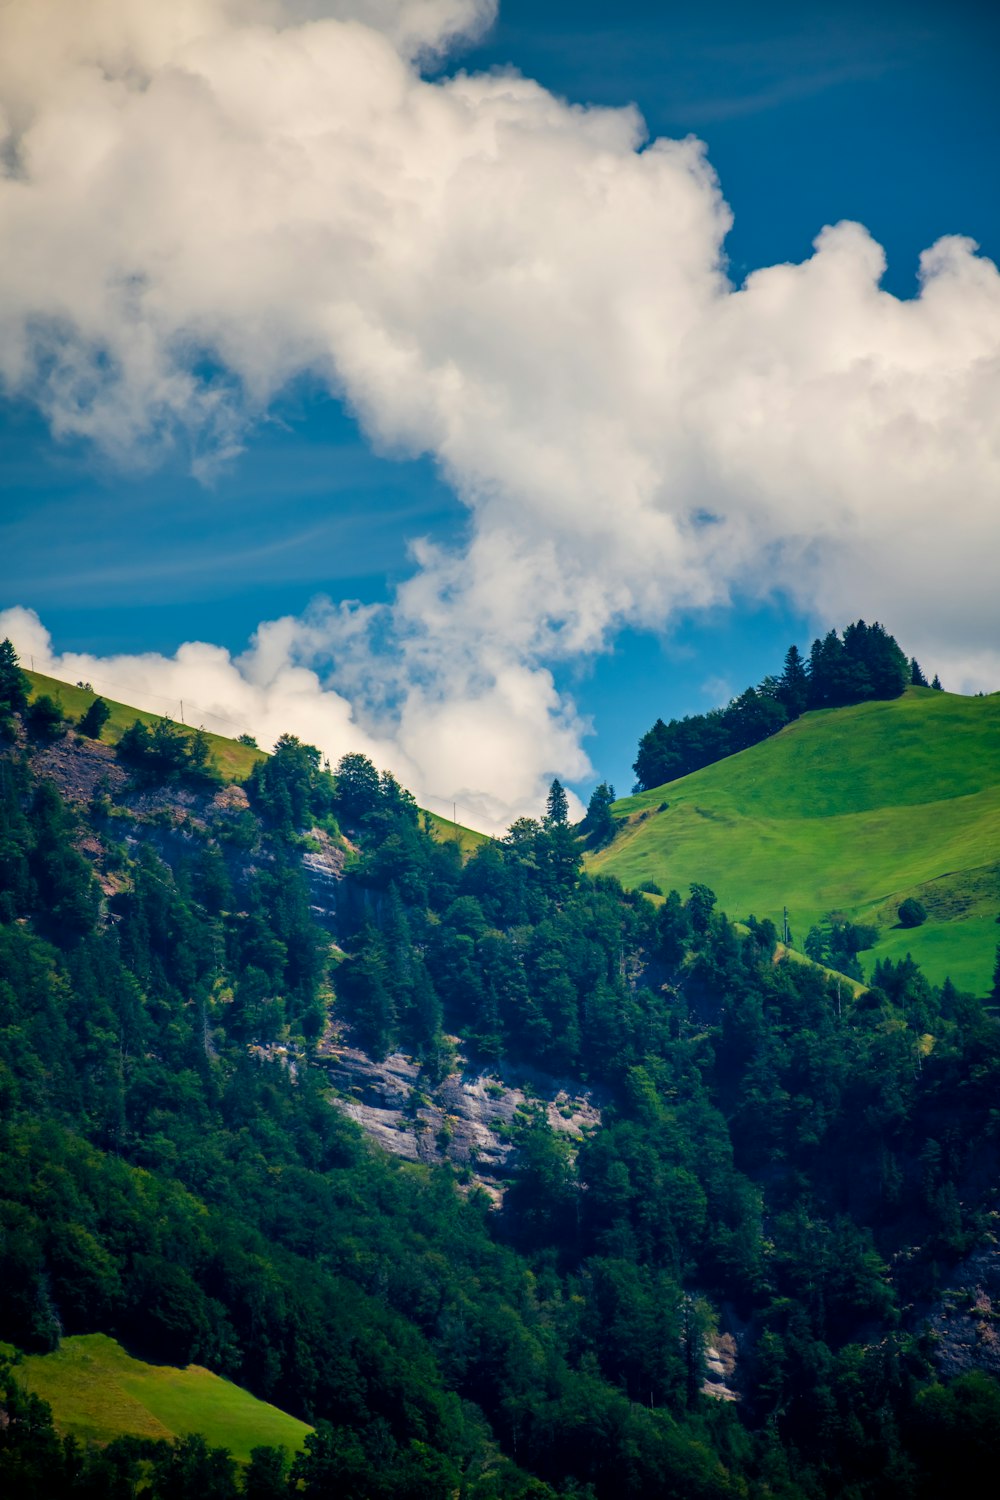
(851, 810)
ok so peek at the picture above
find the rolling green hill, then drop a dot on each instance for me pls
(848, 809)
(98, 1392)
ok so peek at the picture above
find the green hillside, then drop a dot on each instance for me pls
(232, 760)
(847, 809)
(444, 831)
(98, 1392)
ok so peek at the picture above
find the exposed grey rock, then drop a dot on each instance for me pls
(467, 1119)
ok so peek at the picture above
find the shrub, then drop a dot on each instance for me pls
(911, 913)
(93, 721)
(45, 719)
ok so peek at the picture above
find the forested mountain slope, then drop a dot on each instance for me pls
(851, 810)
(782, 1172)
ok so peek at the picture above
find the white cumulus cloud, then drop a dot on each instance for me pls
(204, 200)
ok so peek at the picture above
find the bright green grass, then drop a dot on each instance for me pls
(850, 809)
(98, 1392)
(444, 832)
(232, 760)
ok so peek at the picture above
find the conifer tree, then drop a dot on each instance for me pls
(13, 683)
(557, 806)
(793, 685)
(599, 824)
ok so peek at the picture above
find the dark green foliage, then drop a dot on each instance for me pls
(174, 1173)
(911, 913)
(599, 824)
(866, 664)
(93, 721)
(936, 684)
(167, 753)
(917, 677)
(44, 719)
(290, 789)
(358, 788)
(793, 685)
(838, 941)
(13, 683)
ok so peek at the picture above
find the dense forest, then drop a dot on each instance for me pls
(863, 664)
(774, 1155)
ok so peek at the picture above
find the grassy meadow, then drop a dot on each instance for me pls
(97, 1392)
(847, 809)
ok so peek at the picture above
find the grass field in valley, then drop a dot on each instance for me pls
(97, 1392)
(848, 809)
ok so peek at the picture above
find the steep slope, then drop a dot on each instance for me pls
(232, 759)
(848, 809)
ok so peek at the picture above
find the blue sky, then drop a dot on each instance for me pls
(883, 114)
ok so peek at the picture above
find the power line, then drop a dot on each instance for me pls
(130, 687)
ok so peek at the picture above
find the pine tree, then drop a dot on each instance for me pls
(917, 678)
(793, 685)
(557, 806)
(599, 824)
(936, 684)
(13, 683)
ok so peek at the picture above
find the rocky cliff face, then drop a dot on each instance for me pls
(469, 1119)
(965, 1321)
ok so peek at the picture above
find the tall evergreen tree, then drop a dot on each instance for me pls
(13, 683)
(917, 678)
(557, 806)
(793, 685)
(599, 824)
